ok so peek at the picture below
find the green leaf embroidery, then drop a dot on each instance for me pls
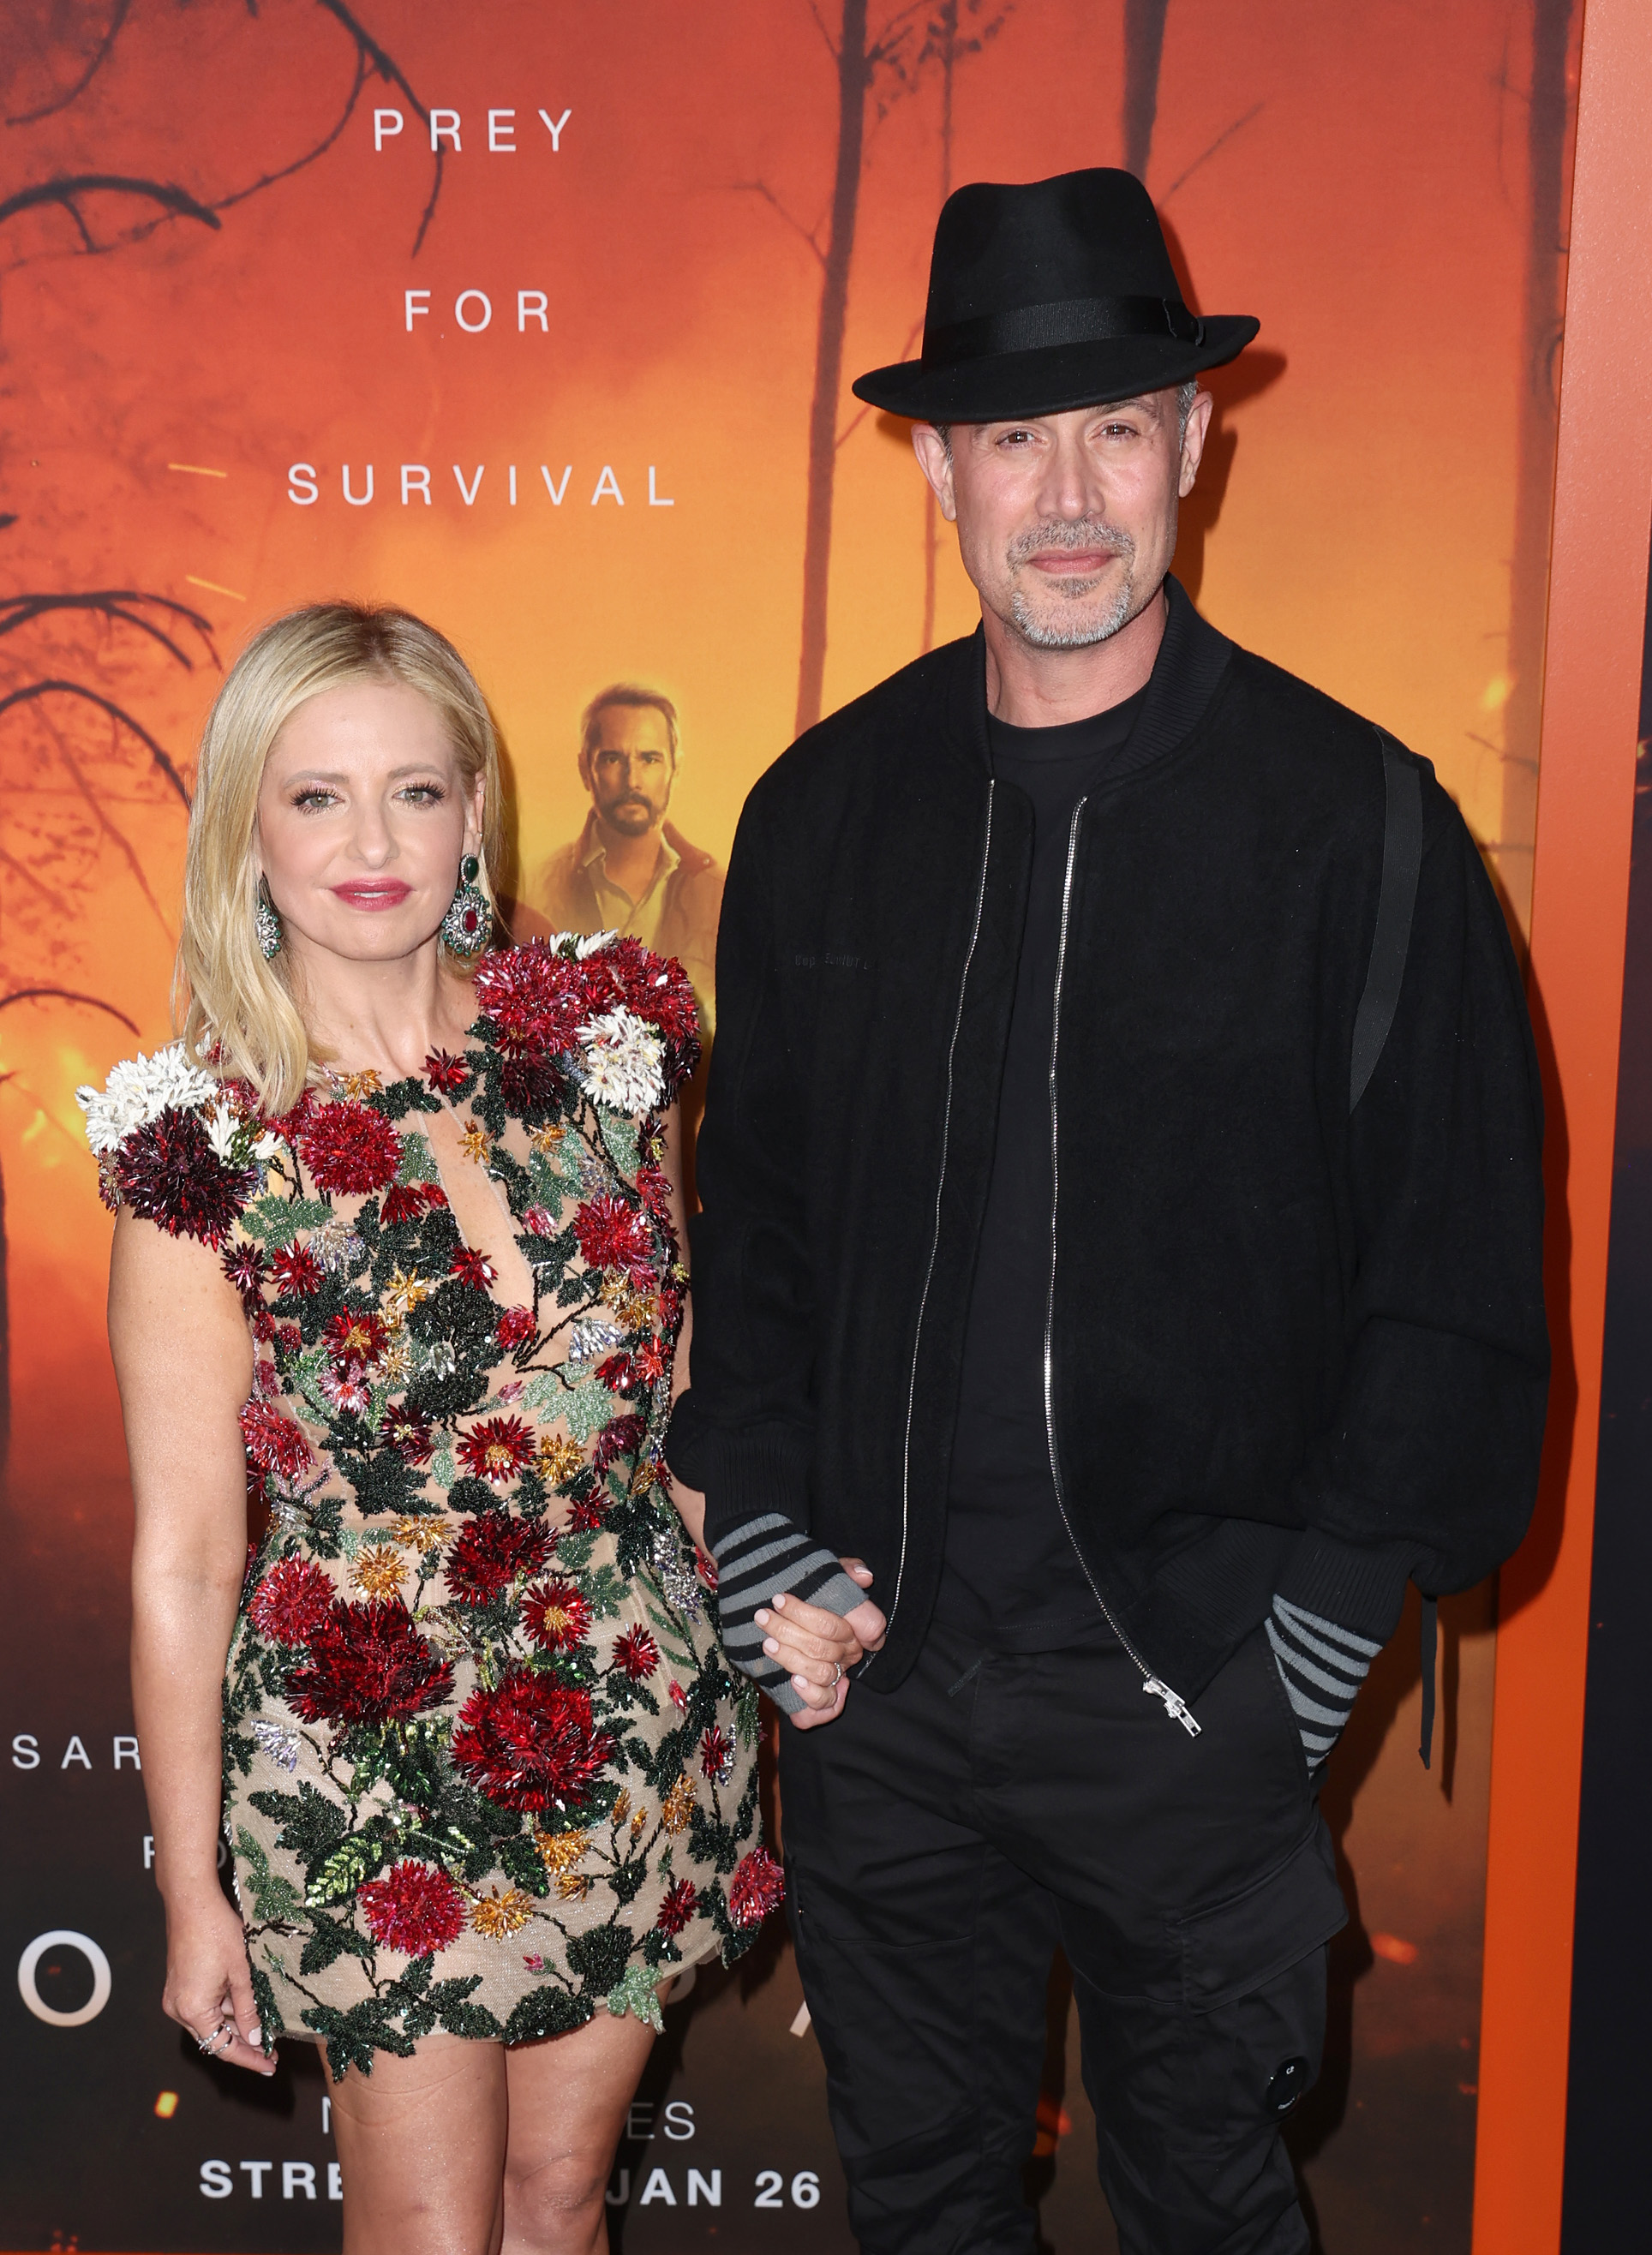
(637, 1992)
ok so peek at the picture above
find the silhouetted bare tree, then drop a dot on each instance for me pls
(162, 201)
(1143, 49)
(76, 755)
(883, 66)
(946, 44)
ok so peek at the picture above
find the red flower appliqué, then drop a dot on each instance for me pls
(292, 1602)
(413, 1909)
(473, 1268)
(273, 1442)
(539, 1221)
(636, 1653)
(497, 1449)
(620, 1436)
(445, 1074)
(348, 1146)
(244, 1266)
(409, 1435)
(404, 1202)
(678, 1907)
(586, 1513)
(531, 1744)
(555, 1616)
(527, 1084)
(355, 1340)
(539, 998)
(493, 1551)
(367, 1664)
(611, 1233)
(168, 1172)
(758, 1887)
(297, 1272)
(717, 1755)
(657, 988)
(516, 1327)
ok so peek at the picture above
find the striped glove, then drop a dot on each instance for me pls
(1322, 1667)
(756, 1561)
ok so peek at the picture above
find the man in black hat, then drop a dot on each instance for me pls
(1121, 1257)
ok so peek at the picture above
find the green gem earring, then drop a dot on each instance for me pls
(469, 918)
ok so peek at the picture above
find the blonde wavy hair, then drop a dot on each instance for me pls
(240, 1014)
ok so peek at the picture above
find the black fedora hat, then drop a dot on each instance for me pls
(1055, 295)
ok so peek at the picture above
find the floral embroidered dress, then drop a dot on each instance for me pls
(486, 1766)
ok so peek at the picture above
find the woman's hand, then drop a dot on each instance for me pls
(818, 1648)
(209, 1984)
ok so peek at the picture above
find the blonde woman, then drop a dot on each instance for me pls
(396, 1254)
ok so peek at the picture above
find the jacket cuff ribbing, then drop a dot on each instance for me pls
(742, 1475)
(1359, 1586)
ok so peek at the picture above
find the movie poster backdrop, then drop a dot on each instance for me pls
(538, 318)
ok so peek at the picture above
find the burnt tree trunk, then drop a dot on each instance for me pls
(853, 75)
(1143, 45)
(1547, 119)
(947, 23)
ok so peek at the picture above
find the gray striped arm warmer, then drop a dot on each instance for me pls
(1322, 1667)
(756, 1561)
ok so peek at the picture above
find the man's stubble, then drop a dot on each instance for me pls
(1035, 626)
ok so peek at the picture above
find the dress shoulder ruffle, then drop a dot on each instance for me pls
(618, 1020)
(175, 1144)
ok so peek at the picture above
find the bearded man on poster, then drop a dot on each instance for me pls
(1120, 1258)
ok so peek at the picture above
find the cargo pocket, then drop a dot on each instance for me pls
(1239, 1945)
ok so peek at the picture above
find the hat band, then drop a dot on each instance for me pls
(1063, 321)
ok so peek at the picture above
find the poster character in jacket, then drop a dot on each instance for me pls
(629, 870)
(1100, 1317)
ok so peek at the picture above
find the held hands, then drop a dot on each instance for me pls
(819, 1647)
(209, 1986)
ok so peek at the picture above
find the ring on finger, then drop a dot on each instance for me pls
(837, 1673)
(225, 2030)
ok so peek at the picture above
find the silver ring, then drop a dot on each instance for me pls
(209, 2044)
(838, 1673)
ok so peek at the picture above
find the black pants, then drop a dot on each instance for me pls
(941, 1838)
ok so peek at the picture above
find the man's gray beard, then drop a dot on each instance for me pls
(1082, 633)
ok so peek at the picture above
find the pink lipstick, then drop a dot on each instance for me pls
(373, 893)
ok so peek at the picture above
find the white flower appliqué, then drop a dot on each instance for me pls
(139, 1089)
(624, 1064)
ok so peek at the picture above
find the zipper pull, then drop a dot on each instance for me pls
(1175, 1706)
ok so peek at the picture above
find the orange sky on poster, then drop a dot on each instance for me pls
(1354, 177)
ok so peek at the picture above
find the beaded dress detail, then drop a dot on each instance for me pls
(487, 1768)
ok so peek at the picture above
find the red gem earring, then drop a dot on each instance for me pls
(469, 919)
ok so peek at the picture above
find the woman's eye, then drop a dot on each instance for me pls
(315, 798)
(424, 794)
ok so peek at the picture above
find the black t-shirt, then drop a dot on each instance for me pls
(1012, 1577)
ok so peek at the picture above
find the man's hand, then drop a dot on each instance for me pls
(817, 1648)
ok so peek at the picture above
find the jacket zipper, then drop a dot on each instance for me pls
(1175, 1706)
(941, 1184)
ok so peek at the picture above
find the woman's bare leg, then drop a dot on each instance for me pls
(422, 2146)
(568, 2100)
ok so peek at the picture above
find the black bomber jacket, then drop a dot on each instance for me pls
(1291, 1348)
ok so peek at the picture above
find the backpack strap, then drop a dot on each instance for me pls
(1396, 898)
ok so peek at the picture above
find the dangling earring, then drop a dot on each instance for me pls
(469, 918)
(266, 922)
